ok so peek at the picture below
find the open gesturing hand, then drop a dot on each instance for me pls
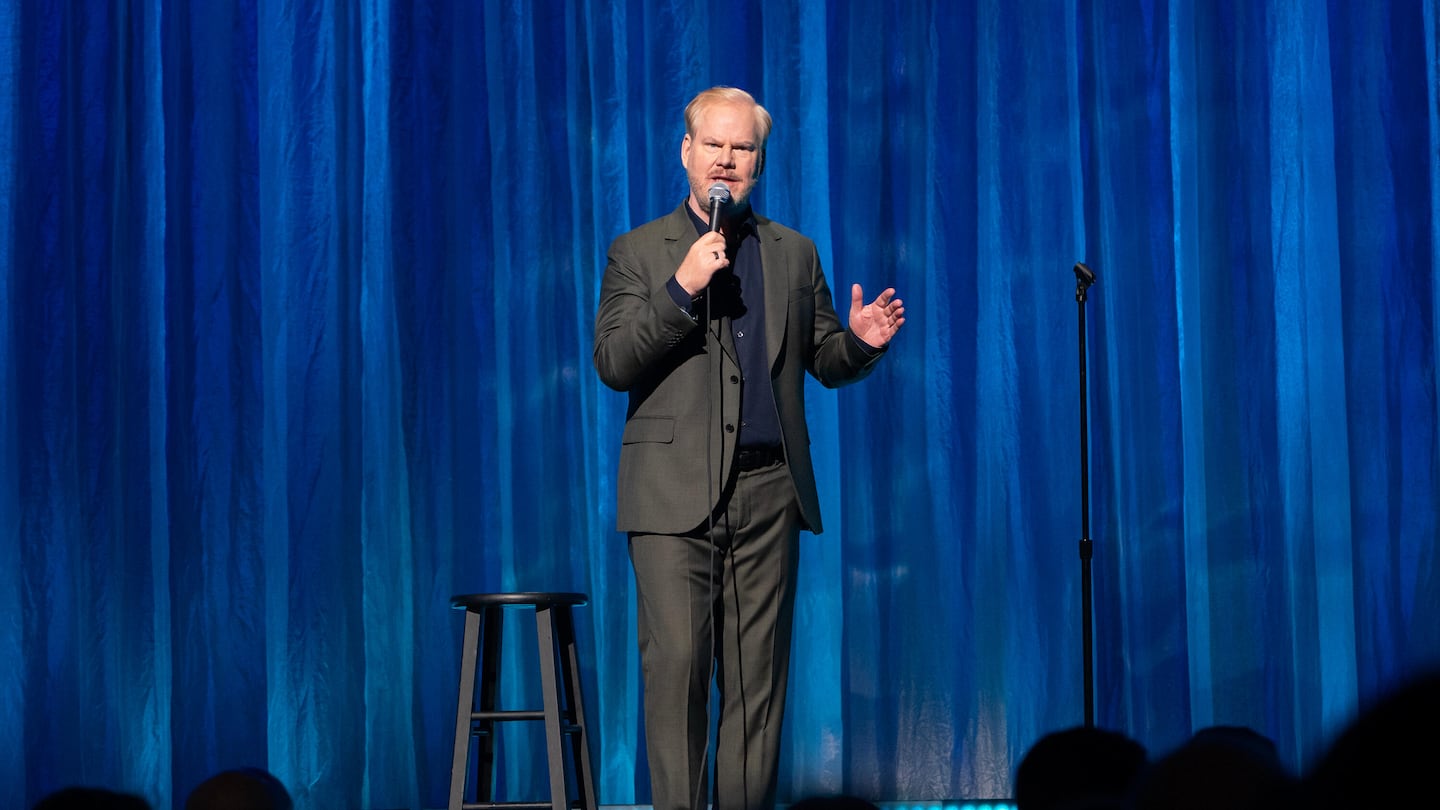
(878, 321)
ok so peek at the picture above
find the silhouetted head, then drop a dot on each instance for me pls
(240, 789)
(1386, 755)
(1078, 767)
(1220, 766)
(1242, 737)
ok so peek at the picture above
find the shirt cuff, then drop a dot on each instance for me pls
(869, 350)
(679, 296)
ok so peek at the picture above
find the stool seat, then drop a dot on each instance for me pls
(469, 600)
(563, 712)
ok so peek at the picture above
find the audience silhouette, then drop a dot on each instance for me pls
(1079, 768)
(91, 798)
(240, 789)
(1386, 757)
(839, 801)
(1219, 766)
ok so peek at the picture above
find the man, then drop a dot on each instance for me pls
(711, 332)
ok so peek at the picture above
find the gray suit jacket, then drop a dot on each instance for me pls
(678, 448)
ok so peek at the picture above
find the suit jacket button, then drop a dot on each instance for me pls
(729, 428)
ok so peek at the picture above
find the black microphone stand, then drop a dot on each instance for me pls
(1084, 277)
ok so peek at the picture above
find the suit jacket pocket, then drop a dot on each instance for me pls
(649, 429)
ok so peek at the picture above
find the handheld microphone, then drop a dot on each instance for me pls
(719, 198)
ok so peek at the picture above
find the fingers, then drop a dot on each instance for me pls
(705, 258)
(710, 251)
(888, 305)
(889, 311)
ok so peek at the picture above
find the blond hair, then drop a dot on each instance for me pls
(706, 99)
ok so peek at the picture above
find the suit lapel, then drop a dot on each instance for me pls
(775, 265)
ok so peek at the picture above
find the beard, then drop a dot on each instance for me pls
(739, 192)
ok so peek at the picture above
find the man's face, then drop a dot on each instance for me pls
(725, 147)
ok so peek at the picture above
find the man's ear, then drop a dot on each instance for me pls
(685, 151)
(760, 169)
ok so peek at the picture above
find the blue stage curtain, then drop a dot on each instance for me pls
(297, 303)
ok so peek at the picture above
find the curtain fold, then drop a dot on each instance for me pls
(298, 304)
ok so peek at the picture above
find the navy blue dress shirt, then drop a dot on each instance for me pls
(738, 292)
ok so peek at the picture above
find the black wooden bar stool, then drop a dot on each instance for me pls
(563, 713)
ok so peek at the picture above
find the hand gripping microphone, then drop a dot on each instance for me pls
(719, 198)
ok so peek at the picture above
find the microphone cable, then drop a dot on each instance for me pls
(719, 195)
(710, 475)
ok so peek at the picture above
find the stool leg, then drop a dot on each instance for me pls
(489, 690)
(580, 739)
(459, 764)
(555, 754)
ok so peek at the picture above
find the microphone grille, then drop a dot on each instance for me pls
(720, 192)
